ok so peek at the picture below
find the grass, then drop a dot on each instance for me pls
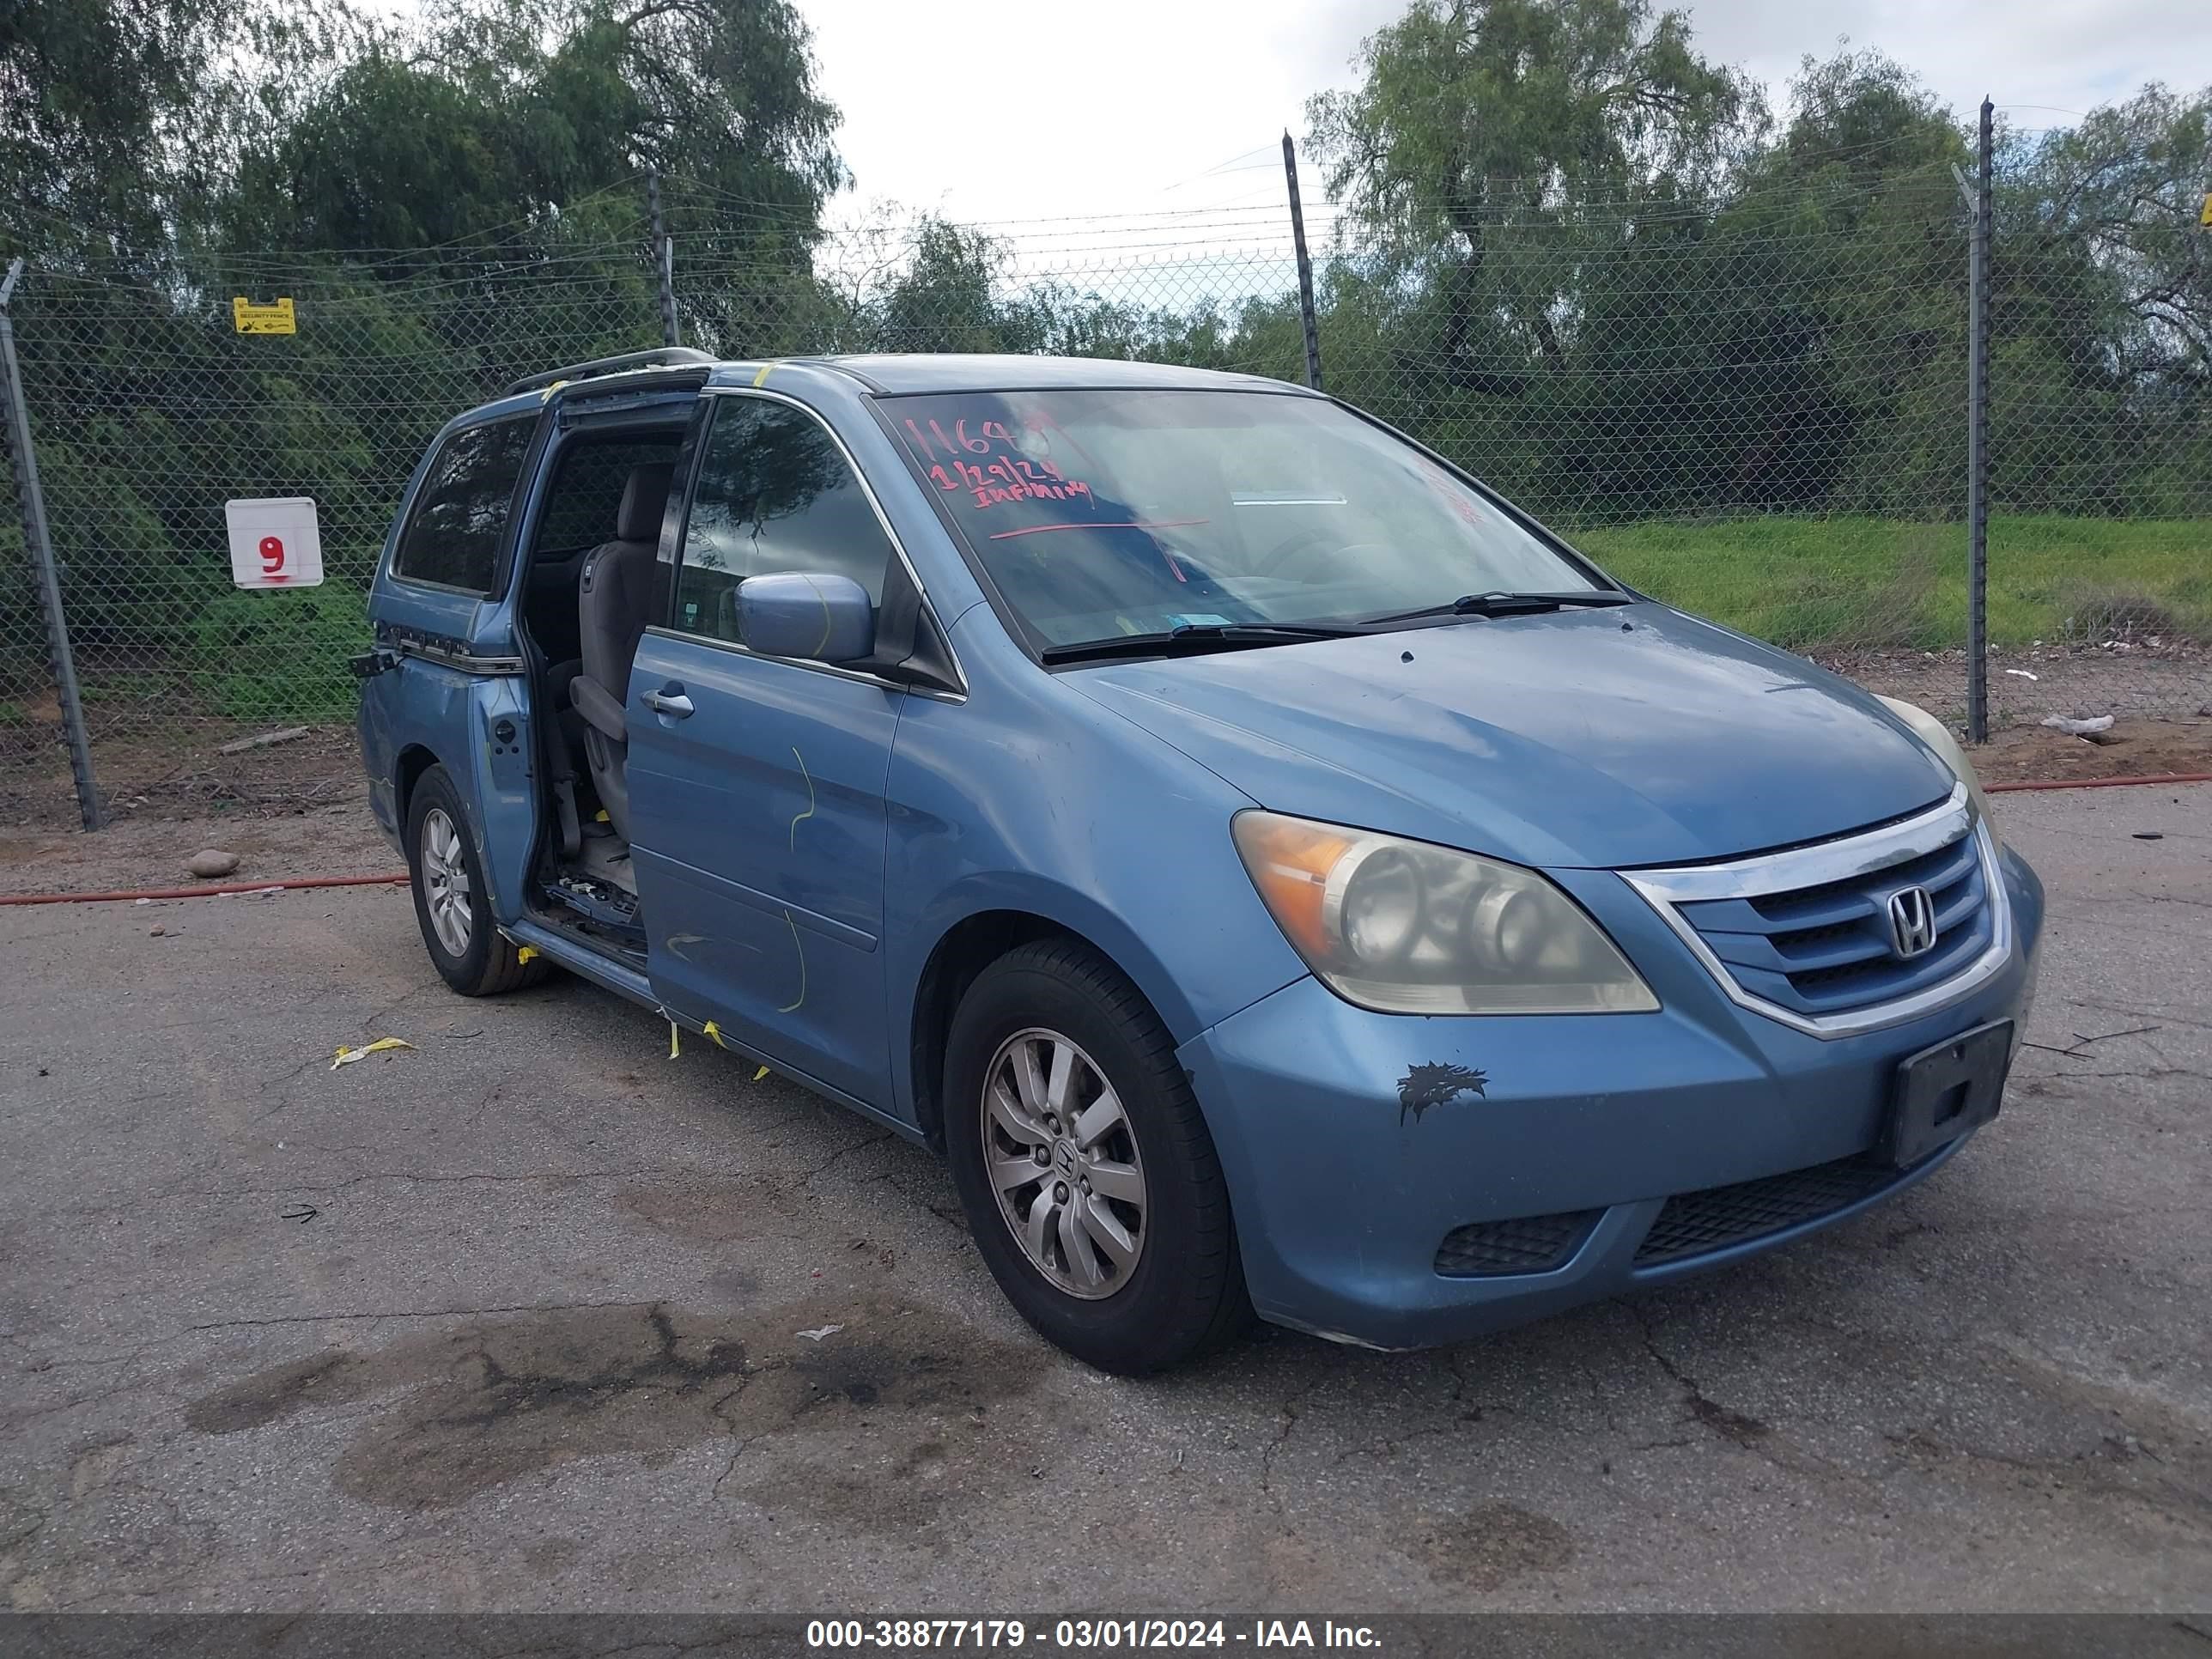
(1888, 584)
(277, 656)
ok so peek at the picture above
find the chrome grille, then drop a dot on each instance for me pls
(1804, 935)
(1826, 950)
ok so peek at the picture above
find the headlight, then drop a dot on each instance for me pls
(1937, 736)
(1407, 928)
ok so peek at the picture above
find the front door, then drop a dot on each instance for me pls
(758, 817)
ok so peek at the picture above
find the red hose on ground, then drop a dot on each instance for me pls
(216, 892)
(2101, 783)
(401, 879)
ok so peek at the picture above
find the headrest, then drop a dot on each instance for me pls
(645, 495)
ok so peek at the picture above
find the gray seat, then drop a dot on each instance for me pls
(623, 588)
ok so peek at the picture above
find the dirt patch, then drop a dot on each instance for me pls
(2160, 700)
(1493, 1544)
(176, 770)
(486, 1403)
(2138, 749)
(338, 840)
(2171, 682)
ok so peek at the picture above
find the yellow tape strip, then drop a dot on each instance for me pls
(761, 379)
(347, 1056)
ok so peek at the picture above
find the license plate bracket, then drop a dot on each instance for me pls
(1945, 1090)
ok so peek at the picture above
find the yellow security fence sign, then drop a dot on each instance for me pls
(2204, 218)
(264, 320)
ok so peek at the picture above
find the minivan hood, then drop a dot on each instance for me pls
(1596, 739)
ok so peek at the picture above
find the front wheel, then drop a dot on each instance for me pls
(1090, 1182)
(453, 903)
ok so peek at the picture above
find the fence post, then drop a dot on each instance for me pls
(1978, 445)
(1305, 267)
(664, 259)
(41, 548)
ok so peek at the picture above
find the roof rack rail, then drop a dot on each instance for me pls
(659, 357)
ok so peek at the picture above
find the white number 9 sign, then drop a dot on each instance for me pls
(274, 542)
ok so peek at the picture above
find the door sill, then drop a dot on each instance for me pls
(586, 960)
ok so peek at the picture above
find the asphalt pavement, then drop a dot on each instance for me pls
(532, 1315)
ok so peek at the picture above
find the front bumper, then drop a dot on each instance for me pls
(1353, 1151)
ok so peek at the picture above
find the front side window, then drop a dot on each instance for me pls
(452, 537)
(1106, 513)
(775, 493)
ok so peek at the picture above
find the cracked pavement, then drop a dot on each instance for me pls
(555, 1334)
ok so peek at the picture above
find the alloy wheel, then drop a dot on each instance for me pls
(445, 891)
(1059, 1151)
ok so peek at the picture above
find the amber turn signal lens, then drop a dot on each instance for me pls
(1290, 861)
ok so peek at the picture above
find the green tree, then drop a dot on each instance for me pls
(1736, 315)
(96, 98)
(1834, 279)
(491, 123)
(2102, 372)
(1476, 120)
(945, 299)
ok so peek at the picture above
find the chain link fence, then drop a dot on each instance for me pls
(1757, 411)
(150, 410)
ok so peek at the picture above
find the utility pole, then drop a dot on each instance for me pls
(1305, 267)
(664, 259)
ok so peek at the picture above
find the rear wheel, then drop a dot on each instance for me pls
(452, 903)
(1090, 1182)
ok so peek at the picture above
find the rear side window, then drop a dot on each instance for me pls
(452, 537)
(582, 503)
(775, 493)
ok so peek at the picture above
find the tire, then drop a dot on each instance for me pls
(453, 903)
(1181, 1291)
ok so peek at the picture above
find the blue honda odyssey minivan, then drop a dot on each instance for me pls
(1278, 875)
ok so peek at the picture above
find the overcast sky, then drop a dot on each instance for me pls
(1141, 105)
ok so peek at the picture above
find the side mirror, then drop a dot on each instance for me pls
(812, 619)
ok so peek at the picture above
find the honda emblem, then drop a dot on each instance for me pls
(1912, 922)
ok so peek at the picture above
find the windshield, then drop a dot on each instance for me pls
(1106, 513)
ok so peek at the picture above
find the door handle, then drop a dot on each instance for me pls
(671, 703)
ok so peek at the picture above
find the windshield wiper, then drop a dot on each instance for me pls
(1497, 604)
(1196, 637)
